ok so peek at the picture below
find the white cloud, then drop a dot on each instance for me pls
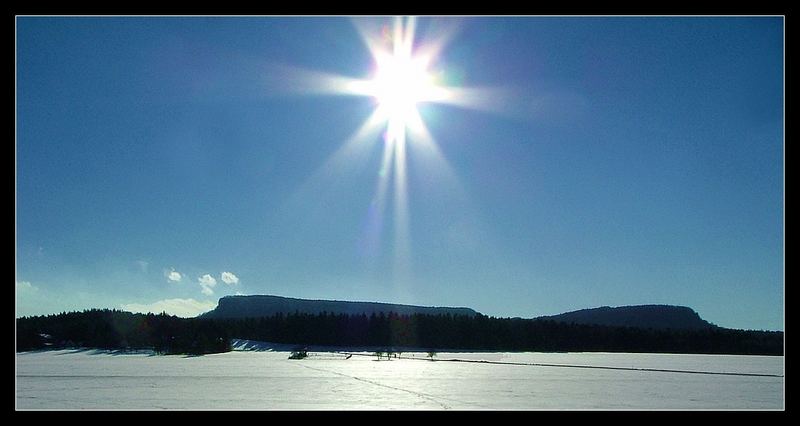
(207, 282)
(173, 275)
(229, 278)
(185, 308)
(143, 265)
(25, 287)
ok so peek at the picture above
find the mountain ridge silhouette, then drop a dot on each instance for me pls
(641, 316)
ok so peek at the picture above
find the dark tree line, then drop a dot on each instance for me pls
(169, 334)
(113, 329)
(497, 334)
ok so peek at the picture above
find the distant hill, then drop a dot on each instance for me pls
(264, 305)
(643, 316)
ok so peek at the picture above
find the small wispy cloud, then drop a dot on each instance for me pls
(207, 282)
(173, 275)
(29, 300)
(185, 308)
(143, 265)
(229, 278)
(25, 286)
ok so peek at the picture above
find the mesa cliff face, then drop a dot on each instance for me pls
(264, 305)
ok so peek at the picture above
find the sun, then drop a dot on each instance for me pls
(400, 83)
(401, 80)
(405, 74)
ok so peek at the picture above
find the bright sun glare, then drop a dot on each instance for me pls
(399, 84)
(400, 81)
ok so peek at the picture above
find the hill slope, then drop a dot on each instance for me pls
(264, 305)
(643, 316)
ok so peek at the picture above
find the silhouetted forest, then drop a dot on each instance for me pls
(112, 329)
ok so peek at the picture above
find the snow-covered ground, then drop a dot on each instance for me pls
(262, 377)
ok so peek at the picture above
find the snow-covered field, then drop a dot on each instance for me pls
(266, 379)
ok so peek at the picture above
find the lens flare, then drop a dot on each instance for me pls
(400, 81)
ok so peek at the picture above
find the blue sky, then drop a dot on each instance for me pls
(162, 163)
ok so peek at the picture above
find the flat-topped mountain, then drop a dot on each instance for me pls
(265, 306)
(643, 316)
